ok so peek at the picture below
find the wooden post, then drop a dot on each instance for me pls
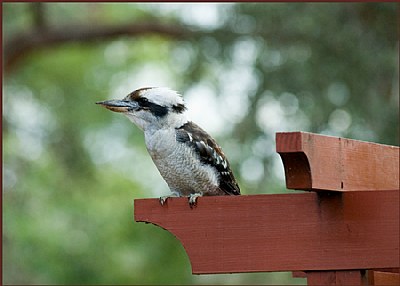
(347, 224)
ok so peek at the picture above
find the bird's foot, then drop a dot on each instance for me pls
(164, 199)
(193, 199)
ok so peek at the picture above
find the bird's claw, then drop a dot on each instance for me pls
(163, 200)
(193, 199)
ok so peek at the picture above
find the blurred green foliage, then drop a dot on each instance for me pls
(71, 169)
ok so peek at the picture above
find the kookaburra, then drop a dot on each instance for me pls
(187, 157)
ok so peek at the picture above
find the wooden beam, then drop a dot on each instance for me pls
(317, 162)
(283, 232)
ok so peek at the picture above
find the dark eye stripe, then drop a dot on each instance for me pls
(155, 109)
(179, 108)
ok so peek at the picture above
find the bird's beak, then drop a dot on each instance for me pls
(119, 105)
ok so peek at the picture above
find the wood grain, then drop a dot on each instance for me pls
(283, 232)
(317, 162)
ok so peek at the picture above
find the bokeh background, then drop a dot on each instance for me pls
(71, 169)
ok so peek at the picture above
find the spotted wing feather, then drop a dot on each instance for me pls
(209, 153)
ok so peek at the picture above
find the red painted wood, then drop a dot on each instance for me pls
(351, 278)
(299, 274)
(393, 270)
(346, 277)
(380, 278)
(283, 232)
(330, 235)
(319, 278)
(317, 162)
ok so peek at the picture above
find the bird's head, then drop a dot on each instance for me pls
(151, 108)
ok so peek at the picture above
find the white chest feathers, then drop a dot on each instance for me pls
(179, 165)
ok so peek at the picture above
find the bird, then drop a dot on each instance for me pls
(187, 157)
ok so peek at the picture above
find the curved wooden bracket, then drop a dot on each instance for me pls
(318, 162)
(282, 232)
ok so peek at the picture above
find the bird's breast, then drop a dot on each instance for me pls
(178, 165)
(161, 143)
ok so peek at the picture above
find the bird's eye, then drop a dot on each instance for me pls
(142, 101)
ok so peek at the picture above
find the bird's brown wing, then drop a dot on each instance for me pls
(209, 153)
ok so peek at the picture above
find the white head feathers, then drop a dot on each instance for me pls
(162, 96)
